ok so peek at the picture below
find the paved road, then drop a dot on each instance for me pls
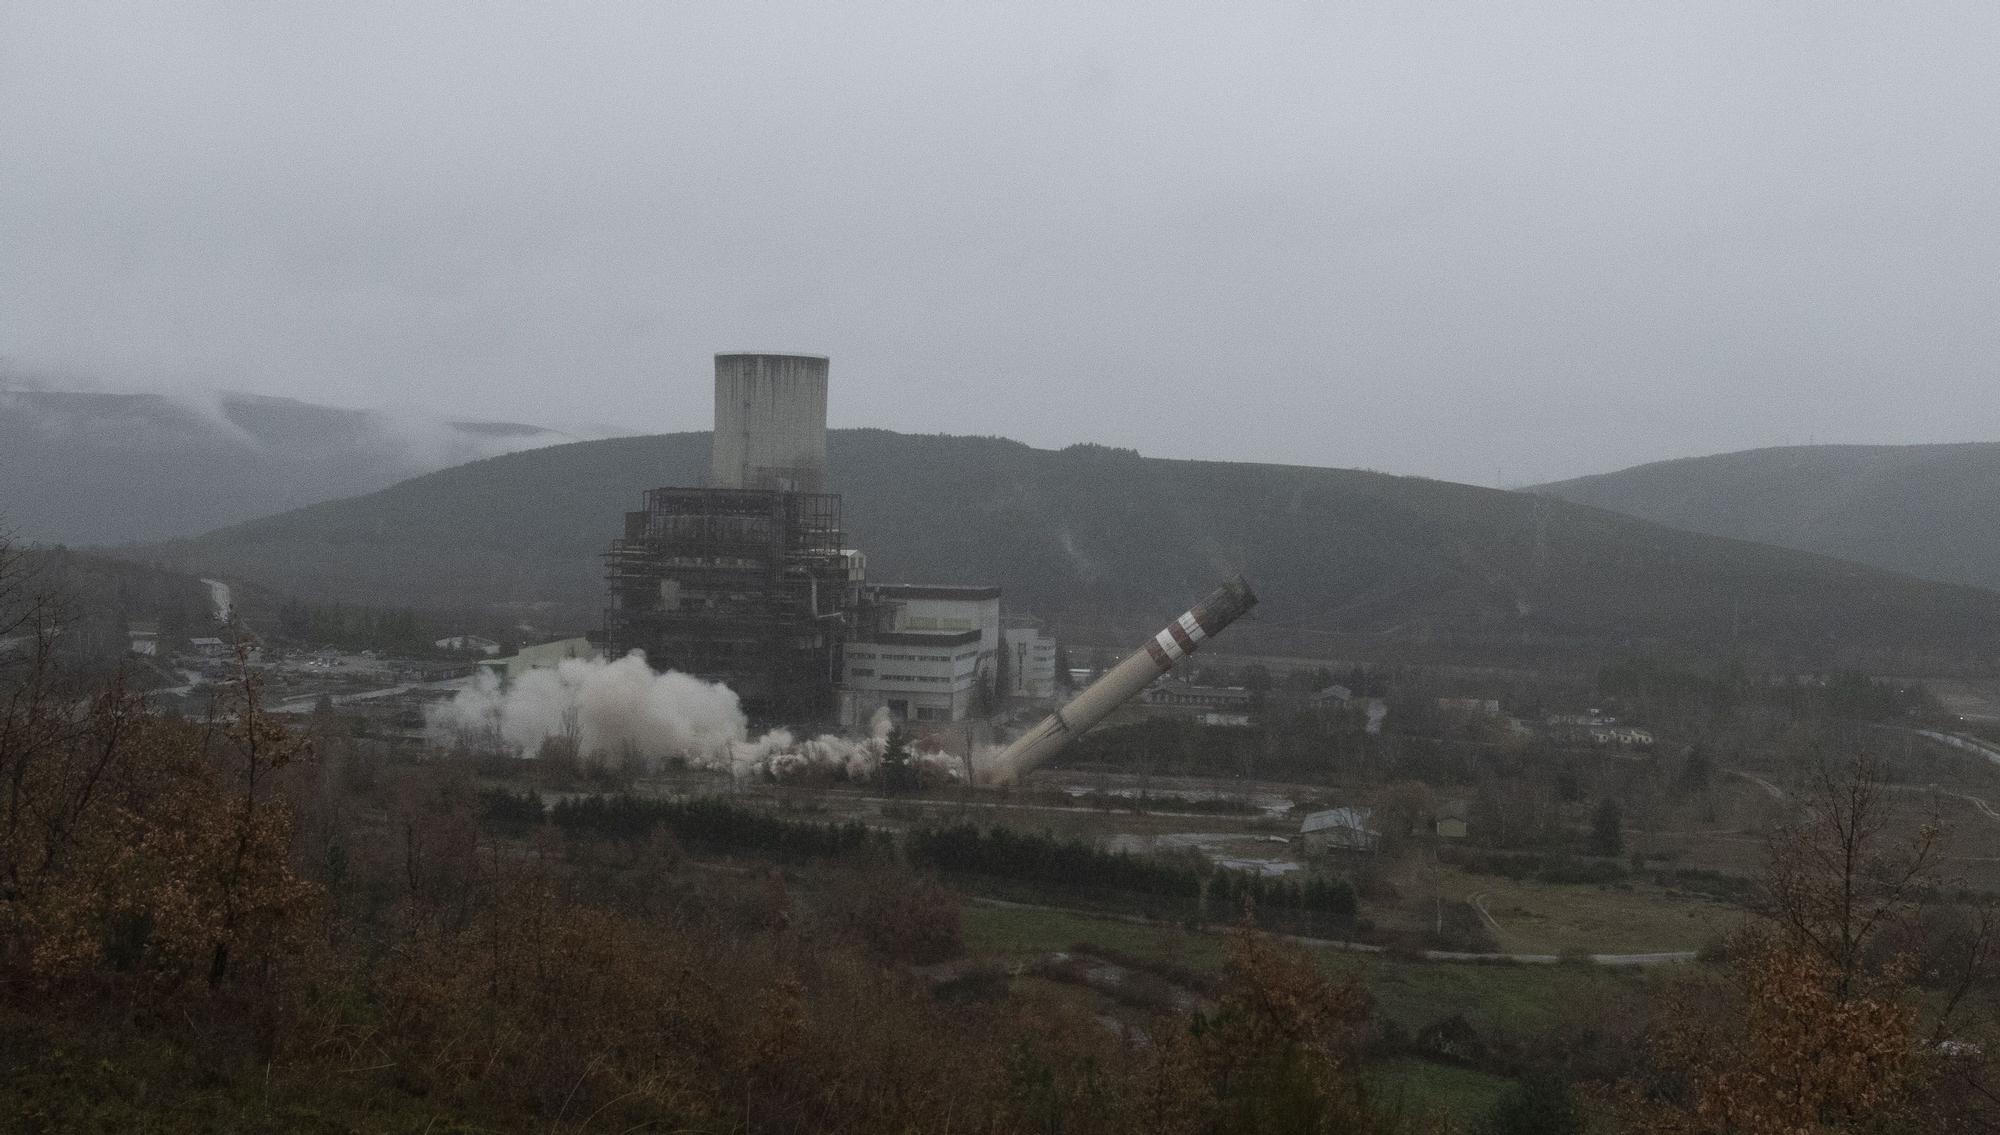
(1087, 809)
(1984, 808)
(1961, 742)
(1776, 792)
(1479, 904)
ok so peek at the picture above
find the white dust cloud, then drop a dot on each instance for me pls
(615, 710)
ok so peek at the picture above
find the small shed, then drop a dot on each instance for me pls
(1339, 829)
(1332, 697)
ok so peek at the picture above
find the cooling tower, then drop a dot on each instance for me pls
(770, 423)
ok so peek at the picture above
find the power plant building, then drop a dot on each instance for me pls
(745, 580)
(927, 653)
(1031, 662)
(925, 608)
(917, 677)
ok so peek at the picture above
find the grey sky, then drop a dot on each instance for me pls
(1464, 240)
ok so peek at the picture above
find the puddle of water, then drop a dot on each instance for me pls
(1268, 804)
(1224, 849)
(1261, 866)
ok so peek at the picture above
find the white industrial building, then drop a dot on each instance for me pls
(929, 677)
(931, 647)
(541, 656)
(1031, 663)
(920, 608)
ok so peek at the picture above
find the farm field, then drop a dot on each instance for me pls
(1617, 918)
(1493, 995)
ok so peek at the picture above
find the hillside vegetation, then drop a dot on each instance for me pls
(1105, 543)
(1929, 510)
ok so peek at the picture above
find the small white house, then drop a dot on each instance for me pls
(1333, 697)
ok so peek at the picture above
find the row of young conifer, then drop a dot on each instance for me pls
(716, 825)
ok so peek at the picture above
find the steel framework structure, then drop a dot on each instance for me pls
(743, 586)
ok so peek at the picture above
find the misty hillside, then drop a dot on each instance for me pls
(1929, 510)
(1104, 543)
(91, 468)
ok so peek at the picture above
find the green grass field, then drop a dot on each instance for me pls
(1460, 1094)
(1550, 918)
(1498, 998)
(1015, 934)
(1518, 999)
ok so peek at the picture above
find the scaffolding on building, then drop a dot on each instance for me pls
(743, 586)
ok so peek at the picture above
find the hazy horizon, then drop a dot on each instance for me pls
(206, 403)
(1492, 246)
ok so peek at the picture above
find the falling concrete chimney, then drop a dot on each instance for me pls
(1122, 682)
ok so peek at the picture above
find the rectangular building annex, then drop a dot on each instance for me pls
(1031, 663)
(926, 656)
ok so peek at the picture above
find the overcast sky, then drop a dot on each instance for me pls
(1474, 240)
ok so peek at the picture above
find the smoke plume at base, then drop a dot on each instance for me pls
(612, 710)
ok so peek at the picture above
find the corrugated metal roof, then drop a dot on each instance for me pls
(917, 638)
(1355, 818)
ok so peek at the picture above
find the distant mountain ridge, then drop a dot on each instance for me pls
(1104, 544)
(1931, 511)
(99, 468)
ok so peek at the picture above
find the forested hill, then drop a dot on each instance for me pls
(1106, 544)
(1929, 510)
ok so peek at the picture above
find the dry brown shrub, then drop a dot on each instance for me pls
(1819, 1025)
(1287, 1042)
(154, 847)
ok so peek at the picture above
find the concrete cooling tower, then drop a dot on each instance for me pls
(770, 423)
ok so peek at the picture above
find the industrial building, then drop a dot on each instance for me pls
(925, 652)
(1185, 695)
(1031, 662)
(928, 608)
(745, 580)
(540, 656)
(916, 677)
